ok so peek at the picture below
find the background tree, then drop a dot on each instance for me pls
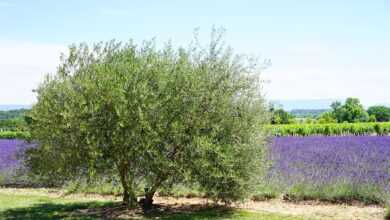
(152, 117)
(381, 113)
(13, 120)
(327, 117)
(351, 111)
(13, 114)
(280, 116)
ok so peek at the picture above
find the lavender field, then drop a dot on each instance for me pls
(362, 163)
(319, 159)
(9, 162)
(315, 160)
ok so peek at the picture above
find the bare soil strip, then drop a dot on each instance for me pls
(313, 211)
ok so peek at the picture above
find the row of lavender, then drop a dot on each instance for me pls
(10, 151)
(314, 160)
(320, 160)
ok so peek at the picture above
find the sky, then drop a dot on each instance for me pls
(329, 49)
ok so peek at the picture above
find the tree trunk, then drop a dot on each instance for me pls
(126, 195)
(129, 197)
(147, 202)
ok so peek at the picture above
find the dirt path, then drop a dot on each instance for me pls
(315, 211)
(319, 211)
(310, 211)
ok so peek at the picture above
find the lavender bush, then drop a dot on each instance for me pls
(9, 162)
(319, 161)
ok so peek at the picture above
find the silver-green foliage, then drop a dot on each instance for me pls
(152, 116)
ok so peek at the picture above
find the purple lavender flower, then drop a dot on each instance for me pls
(9, 150)
(326, 160)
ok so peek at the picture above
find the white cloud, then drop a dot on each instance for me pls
(22, 67)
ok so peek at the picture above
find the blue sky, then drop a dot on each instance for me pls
(319, 49)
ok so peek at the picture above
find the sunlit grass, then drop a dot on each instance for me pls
(41, 206)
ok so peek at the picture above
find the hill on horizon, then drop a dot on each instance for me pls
(13, 107)
(302, 104)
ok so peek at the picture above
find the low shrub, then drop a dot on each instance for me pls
(337, 193)
(102, 186)
(263, 197)
(266, 191)
(182, 190)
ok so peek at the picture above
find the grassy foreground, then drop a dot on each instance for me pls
(41, 206)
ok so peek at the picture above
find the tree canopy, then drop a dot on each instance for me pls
(327, 117)
(280, 116)
(380, 113)
(152, 117)
(351, 111)
(13, 120)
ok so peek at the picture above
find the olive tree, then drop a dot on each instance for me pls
(153, 116)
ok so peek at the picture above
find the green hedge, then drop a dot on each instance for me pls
(369, 128)
(14, 135)
(15, 124)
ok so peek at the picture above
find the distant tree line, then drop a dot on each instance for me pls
(12, 114)
(381, 113)
(350, 111)
(13, 120)
(307, 113)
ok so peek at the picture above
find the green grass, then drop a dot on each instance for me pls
(387, 212)
(17, 206)
(44, 207)
(266, 191)
(97, 186)
(114, 188)
(225, 215)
